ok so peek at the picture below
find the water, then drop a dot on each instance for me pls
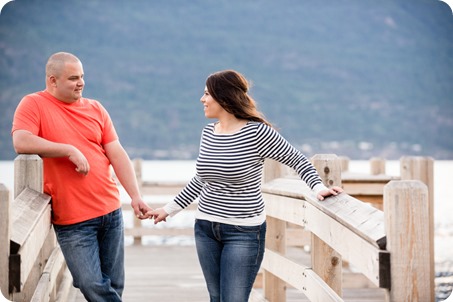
(184, 170)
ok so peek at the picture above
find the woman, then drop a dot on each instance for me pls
(230, 224)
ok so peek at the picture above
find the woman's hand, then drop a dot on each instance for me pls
(329, 192)
(158, 214)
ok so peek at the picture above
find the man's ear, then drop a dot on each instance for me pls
(53, 80)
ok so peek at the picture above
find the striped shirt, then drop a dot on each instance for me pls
(228, 174)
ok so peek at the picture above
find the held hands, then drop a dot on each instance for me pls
(158, 214)
(329, 192)
(141, 209)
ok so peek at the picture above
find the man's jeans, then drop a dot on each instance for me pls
(230, 257)
(94, 253)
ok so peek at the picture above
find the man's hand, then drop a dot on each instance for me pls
(79, 160)
(141, 209)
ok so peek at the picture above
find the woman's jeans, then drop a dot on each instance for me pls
(94, 253)
(230, 257)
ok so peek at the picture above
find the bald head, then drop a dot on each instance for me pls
(57, 61)
(64, 77)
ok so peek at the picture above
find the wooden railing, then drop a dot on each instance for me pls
(393, 249)
(32, 267)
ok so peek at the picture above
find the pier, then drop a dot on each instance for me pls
(343, 249)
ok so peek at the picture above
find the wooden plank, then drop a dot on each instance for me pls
(364, 188)
(358, 250)
(29, 206)
(292, 212)
(353, 248)
(317, 290)
(28, 173)
(299, 277)
(31, 224)
(289, 187)
(49, 276)
(5, 233)
(162, 188)
(35, 274)
(172, 273)
(42, 292)
(285, 269)
(297, 237)
(31, 248)
(364, 219)
(65, 288)
(350, 177)
(164, 274)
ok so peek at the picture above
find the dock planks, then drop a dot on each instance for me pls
(172, 274)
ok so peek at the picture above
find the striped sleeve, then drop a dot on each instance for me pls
(188, 195)
(272, 145)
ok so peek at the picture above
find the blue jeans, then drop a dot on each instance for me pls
(230, 257)
(94, 253)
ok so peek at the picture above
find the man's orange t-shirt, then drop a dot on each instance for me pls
(86, 125)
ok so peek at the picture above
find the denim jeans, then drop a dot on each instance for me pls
(230, 257)
(94, 253)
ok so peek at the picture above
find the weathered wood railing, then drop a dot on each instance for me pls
(32, 267)
(393, 249)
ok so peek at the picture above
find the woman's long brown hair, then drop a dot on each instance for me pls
(230, 89)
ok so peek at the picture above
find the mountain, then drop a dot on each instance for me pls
(351, 77)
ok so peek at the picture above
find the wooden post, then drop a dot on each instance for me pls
(28, 173)
(326, 262)
(274, 287)
(422, 168)
(5, 235)
(138, 174)
(377, 166)
(344, 163)
(406, 216)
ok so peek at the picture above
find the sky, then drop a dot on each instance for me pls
(449, 2)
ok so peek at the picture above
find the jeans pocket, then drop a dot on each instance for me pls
(248, 229)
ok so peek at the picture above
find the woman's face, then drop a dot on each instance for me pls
(212, 108)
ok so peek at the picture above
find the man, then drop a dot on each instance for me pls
(78, 143)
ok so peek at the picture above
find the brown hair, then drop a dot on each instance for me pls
(230, 89)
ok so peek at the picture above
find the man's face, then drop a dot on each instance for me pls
(69, 85)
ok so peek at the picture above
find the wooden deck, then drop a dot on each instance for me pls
(172, 274)
(162, 273)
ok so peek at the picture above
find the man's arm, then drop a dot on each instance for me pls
(126, 175)
(26, 142)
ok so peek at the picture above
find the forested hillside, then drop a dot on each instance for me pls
(351, 77)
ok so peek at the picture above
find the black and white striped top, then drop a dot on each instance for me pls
(229, 168)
